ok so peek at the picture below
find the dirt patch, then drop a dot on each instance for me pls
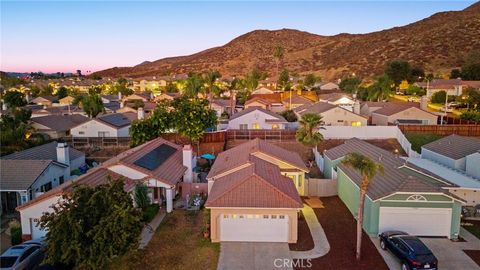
(305, 241)
(340, 228)
(474, 255)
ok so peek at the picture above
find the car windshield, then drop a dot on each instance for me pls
(417, 246)
(6, 262)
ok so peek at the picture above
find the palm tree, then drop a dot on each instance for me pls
(232, 88)
(307, 134)
(193, 86)
(278, 52)
(210, 78)
(368, 169)
(381, 89)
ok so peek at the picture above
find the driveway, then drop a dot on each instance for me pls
(250, 256)
(450, 254)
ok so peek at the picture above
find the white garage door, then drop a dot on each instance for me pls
(416, 221)
(37, 232)
(254, 228)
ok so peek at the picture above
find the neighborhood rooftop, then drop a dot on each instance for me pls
(43, 152)
(454, 146)
(20, 174)
(60, 122)
(252, 109)
(118, 120)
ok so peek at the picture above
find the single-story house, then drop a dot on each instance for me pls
(294, 101)
(254, 193)
(143, 96)
(159, 164)
(327, 86)
(55, 110)
(385, 113)
(340, 99)
(44, 100)
(404, 197)
(222, 106)
(108, 125)
(26, 174)
(68, 100)
(166, 96)
(256, 118)
(57, 126)
(332, 115)
(453, 87)
(262, 91)
(110, 98)
(272, 102)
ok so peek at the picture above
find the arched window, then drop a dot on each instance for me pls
(417, 198)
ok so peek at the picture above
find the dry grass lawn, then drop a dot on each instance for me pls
(177, 244)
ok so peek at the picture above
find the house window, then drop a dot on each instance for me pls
(81, 132)
(340, 121)
(249, 216)
(240, 216)
(356, 123)
(265, 216)
(234, 216)
(255, 126)
(225, 216)
(274, 216)
(243, 126)
(281, 217)
(103, 134)
(61, 179)
(274, 126)
(46, 187)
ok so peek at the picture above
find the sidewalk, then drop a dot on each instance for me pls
(320, 240)
(147, 232)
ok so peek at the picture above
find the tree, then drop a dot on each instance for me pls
(47, 90)
(284, 80)
(289, 115)
(382, 89)
(307, 134)
(15, 128)
(159, 122)
(310, 80)
(194, 86)
(140, 194)
(439, 97)
(455, 73)
(92, 104)
(471, 98)
(91, 225)
(368, 169)
(399, 70)
(417, 73)
(471, 67)
(350, 84)
(14, 99)
(193, 117)
(210, 78)
(415, 90)
(251, 79)
(171, 88)
(62, 92)
(278, 53)
(121, 86)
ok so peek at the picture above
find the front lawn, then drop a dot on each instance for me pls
(177, 244)
(418, 139)
(474, 228)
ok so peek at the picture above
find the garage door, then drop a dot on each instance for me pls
(37, 232)
(254, 228)
(416, 221)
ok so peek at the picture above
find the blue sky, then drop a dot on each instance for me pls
(93, 35)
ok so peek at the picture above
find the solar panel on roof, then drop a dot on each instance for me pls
(156, 157)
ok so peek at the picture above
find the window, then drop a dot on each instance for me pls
(234, 216)
(225, 216)
(356, 123)
(281, 217)
(255, 126)
(249, 216)
(103, 134)
(46, 187)
(274, 126)
(61, 179)
(274, 216)
(28, 252)
(81, 132)
(240, 216)
(243, 126)
(265, 216)
(340, 121)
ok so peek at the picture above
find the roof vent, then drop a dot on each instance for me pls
(380, 157)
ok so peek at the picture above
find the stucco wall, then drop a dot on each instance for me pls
(251, 118)
(454, 164)
(472, 165)
(91, 129)
(414, 114)
(333, 116)
(51, 174)
(215, 214)
(35, 211)
(471, 197)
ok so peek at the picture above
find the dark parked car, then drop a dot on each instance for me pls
(412, 252)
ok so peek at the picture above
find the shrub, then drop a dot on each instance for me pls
(15, 232)
(150, 212)
(472, 116)
(140, 194)
(289, 115)
(439, 97)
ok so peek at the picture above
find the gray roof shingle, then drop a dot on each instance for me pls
(46, 151)
(454, 146)
(20, 174)
(252, 109)
(60, 122)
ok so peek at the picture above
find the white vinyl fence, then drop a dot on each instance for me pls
(320, 187)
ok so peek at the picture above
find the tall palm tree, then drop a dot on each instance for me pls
(232, 88)
(210, 78)
(368, 169)
(193, 86)
(382, 89)
(278, 53)
(307, 134)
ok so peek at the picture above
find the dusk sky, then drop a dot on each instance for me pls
(65, 36)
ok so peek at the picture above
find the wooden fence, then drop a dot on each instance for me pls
(264, 134)
(457, 121)
(320, 187)
(464, 130)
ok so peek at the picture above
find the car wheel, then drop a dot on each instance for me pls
(382, 244)
(405, 266)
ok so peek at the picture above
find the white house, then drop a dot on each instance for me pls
(256, 118)
(109, 125)
(332, 115)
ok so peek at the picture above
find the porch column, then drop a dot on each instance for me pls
(169, 192)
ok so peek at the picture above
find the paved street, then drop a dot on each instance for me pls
(249, 256)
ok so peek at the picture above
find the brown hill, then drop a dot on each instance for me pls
(437, 43)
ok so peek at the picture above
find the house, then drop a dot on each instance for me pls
(68, 100)
(108, 125)
(340, 99)
(327, 86)
(256, 118)
(55, 110)
(272, 102)
(453, 87)
(143, 96)
(150, 83)
(166, 96)
(254, 193)
(398, 113)
(159, 164)
(44, 100)
(293, 101)
(332, 115)
(222, 106)
(404, 197)
(26, 174)
(262, 91)
(268, 83)
(57, 126)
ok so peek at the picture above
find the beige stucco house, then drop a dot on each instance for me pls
(332, 115)
(385, 113)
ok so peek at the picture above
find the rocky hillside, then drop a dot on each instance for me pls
(437, 43)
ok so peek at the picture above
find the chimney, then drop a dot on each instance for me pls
(140, 113)
(119, 96)
(424, 103)
(63, 154)
(356, 107)
(188, 162)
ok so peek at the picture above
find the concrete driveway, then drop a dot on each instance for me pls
(249, 256)
(450, 254)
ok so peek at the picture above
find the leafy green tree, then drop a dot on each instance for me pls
(159, 122)
(210, 79)
(399, 70)
(251, 79)
(46, 90)
(417, 73)
(278, 53)
(415, 90)
(471, 115)
(471, 67)
(15, 129)
(311, 79)
(194, 85)
(471, 98)
(92, 104)
(289, 115)
(193, 117)
(7, 82)
(14, 99)
(350, 84)
(62, 92)
(439, 97)
(382, 89)
(91, 225)
(284, 80)
(307, 133)
(368, 169)
(121, 86)
(171, 88)
(455, 73)
(140, 194)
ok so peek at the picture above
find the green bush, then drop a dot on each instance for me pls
(439, 97)
(289, 115)
(419, 139)
(150, 212)
(16, 235)
(472, 116)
